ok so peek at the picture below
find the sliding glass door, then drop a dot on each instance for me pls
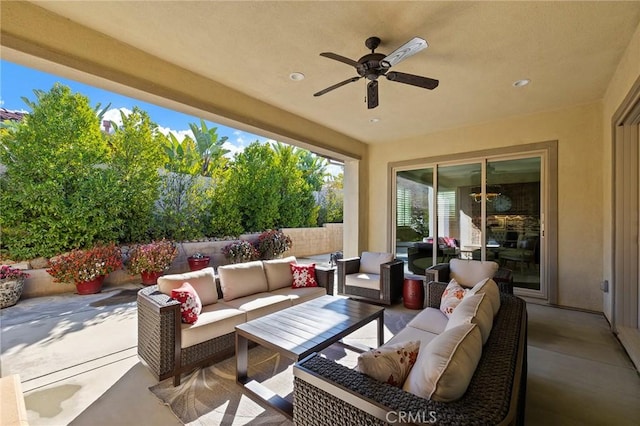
(486, 209)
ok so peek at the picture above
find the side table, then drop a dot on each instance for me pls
(413, 291)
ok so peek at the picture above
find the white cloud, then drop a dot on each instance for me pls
(179, 134)
(114, 115)
(1, 102)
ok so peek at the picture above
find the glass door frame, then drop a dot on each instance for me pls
(548, 153)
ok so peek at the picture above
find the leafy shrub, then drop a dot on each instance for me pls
(153, 257)
(240, 251)
(85, 265)
(272, 243)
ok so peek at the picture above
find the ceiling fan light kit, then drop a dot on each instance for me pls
(373, 65)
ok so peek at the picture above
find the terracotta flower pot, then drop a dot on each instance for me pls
(150, 277)
(90, 287)
(195, 264)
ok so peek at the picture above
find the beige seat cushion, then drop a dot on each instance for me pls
(214, 321)
(431, 320)
(370, 281)
(475, 309)
(242, 279)
(490, 288)
(470, 272)
(301, 294)
(370, 261)
(445, 366)
(411, 333)
(260, 304)
(202, 281)
(278, 272)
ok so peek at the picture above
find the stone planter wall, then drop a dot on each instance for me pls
(306, 242)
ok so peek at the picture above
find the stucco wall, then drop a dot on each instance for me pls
(305, 242)
(578, 131)
(627, 73)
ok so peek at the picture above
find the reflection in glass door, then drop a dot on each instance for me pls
(487, 209)
(513, 225)
(414, 218)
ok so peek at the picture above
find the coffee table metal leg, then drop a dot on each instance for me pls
(242, 358)
(381, 329)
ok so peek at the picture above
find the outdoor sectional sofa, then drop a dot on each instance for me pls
(240, 293)
(326, 392)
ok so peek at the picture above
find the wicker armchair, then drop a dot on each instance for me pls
(442, 273)
(376, 277)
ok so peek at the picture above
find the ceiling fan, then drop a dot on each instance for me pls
(373, 65)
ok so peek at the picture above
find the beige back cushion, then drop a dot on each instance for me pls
(490, 288)
(470, 272)
(474, 309)
(242, 279)
(202, 281)
(278, 272)
(370, 261)
(444, 367)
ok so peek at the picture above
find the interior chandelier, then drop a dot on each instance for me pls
(477, 196)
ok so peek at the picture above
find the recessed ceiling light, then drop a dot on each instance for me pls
(296, 76)
(521, 83)
(374, 120)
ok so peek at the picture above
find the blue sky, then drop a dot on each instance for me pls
(18, 81)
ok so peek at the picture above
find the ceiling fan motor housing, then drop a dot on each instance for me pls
(370, 67)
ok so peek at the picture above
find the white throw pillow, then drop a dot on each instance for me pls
(202, 281)
(469, 272)
(389, 364)
(490, 288)
(475, 309)
(370, 262)
(451, 297)
(445, 366)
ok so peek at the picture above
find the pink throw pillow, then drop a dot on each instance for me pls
(451, 297)
(303, 275)
(190, 304)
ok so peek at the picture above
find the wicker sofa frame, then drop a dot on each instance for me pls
(391, 281)
(326, 392)
(159, 334)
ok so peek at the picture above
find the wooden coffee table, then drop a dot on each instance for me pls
(299, 331)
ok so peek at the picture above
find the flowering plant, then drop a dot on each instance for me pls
(240, 251)
(9, 273)
(85, 265)
(153, 257)
(272, 243)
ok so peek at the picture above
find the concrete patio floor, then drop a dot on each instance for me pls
(76, 357)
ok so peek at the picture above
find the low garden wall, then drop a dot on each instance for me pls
(306, 242)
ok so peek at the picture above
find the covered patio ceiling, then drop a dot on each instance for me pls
(569, 51)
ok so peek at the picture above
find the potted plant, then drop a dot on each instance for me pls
(198, 261)
(240, 251)
(151, 260)
(11, 285)
(272, 243)
(86, 268)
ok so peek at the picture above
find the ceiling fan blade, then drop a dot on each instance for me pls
(372, 94)
(335, 86)
(414, 80)
(411, 47)
(340, 58)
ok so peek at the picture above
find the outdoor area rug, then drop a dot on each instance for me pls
(211, 396)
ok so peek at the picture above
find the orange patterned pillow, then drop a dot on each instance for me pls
(389, 364)
(451, 297)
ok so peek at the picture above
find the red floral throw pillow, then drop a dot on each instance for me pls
(451, 297)
(303, 275)
(389, 364)
(190, 304)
